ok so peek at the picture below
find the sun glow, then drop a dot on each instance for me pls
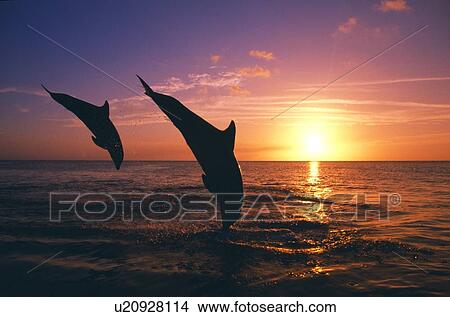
(314, 141)
(314, 145)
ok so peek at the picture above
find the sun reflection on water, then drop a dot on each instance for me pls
(313, 176)
(314, 180)
(314, 187)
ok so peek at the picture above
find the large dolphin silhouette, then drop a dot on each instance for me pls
(98, 122)
(213, 150)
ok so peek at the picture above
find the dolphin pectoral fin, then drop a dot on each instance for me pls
(207, 184)
(148, 90)
(230, 135)
(98, 143)
(105, 109)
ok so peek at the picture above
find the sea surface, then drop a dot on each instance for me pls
(309, 229)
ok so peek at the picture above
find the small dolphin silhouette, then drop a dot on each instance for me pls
(213, 150)
(98, 122)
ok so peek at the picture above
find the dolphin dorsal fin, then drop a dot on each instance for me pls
(230, 134)
(105, 109)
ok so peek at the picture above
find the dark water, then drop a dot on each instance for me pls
(297, 245)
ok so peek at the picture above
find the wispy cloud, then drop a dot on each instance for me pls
(397, 81)
(255, 71)
(302, 88)
(239, 91)
(374, 102)
(348, 26)
(393, 5)
(174, 84)
(215, 58)
(364, 32)
(223, 79)
(219, 80)
(21, 90)
(23, 109)
(265, 55)
(244, 107)
(428, 138)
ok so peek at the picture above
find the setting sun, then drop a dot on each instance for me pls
(314, 146)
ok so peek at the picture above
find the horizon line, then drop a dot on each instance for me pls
(147, 160)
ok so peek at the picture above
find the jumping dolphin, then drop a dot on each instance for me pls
(98, 122)
(213, 150)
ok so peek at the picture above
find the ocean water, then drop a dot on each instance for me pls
(310, 229)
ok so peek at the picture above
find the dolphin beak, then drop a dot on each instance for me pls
(148, 90)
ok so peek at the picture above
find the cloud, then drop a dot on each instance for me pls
(367, 111)
(24, 110)
(363, 32)
(302, 88)
(397, 81)
(222, 79)
(255, 71)
(268, 56)
(173, 84)
(429, 138)
(348, 25)
(237, 90)
(201, 91)
(20, 90)
(392, 5)
(374, 102)
(236, 101)
(215, 58)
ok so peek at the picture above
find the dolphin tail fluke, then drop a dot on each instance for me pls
(148, 90)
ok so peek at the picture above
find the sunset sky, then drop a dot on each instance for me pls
(241, 60)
